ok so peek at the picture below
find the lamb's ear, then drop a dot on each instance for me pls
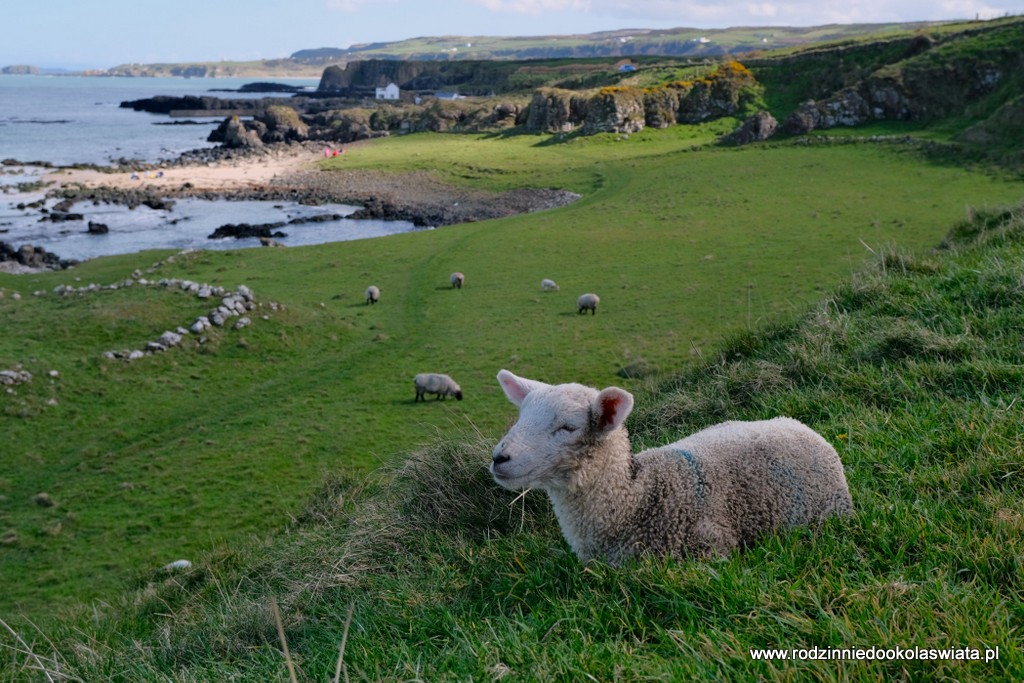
(516, 388)
(612, 406)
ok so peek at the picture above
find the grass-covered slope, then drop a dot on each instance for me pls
(168, 457)
(912, 369)
(946, 79)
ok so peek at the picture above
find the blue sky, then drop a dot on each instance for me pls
(104, 33)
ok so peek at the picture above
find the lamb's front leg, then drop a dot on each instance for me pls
(709, 539)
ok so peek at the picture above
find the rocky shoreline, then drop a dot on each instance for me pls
(288, 173)
(415, 197)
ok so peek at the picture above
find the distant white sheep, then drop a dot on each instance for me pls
(457, 279)
(588, 302)
(548, 285)
(712, 492)
(372, 294)
(433, 383)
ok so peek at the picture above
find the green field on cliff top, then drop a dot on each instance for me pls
(211, 447)
(178, 453)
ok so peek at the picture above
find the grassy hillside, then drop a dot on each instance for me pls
(637, 42)
(262, 68)
(179, 453)
(683, 41)
(428, 571)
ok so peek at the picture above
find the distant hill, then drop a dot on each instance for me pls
(263, 69)
(624, 42)
(19, 69)
(684, 42)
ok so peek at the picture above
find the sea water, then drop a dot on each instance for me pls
(78, 119)
(66, 120)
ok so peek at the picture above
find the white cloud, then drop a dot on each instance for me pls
(763, 9)
(535, 6)
(345, 5)
(724, 13)
(969, 9)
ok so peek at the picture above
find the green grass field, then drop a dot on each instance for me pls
(162, 458)
(204, 447)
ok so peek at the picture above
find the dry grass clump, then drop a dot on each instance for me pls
(443, 490)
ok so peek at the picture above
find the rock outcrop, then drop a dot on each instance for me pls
(233, 133)
(553, 110)
(932, 81)
(760, 126)
(32, 258)
(615, 110)
(283, 125)
(728, 91)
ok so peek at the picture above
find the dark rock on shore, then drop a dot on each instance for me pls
(36, 258)
(261, 86)
(98, 228)
(166, 104)
(62, 216)
(15, 162)
(321, 218)
(241, 230)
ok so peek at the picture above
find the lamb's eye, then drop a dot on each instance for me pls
(568, 429)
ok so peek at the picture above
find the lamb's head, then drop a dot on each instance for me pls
(558, 426)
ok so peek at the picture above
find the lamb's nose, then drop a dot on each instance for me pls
(499, 458)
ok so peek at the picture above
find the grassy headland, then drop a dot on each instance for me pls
(204, 445)
(910, 364)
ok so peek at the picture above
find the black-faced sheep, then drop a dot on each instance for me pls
(433, 383)
(708, 494)
(372, 294)
(588, 302)
(457, 279)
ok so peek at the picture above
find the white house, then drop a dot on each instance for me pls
(388, 92)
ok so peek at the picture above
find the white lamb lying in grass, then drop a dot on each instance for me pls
(708, 494)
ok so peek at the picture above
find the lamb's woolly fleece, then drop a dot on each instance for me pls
(709, 493)
(457, 279)
(548, 285)
(372, 294)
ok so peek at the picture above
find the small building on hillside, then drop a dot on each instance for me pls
(388, 92)
(625, 66)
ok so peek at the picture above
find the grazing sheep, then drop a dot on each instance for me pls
(372, 294)
(432, 383)
(708, 494)
(457, 280)
(548, 285)
(588, 302)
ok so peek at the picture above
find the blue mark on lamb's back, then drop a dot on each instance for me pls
(701, 488)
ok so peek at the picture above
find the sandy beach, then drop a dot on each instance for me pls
(229, 175)
(293, 172)
(275, 175)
